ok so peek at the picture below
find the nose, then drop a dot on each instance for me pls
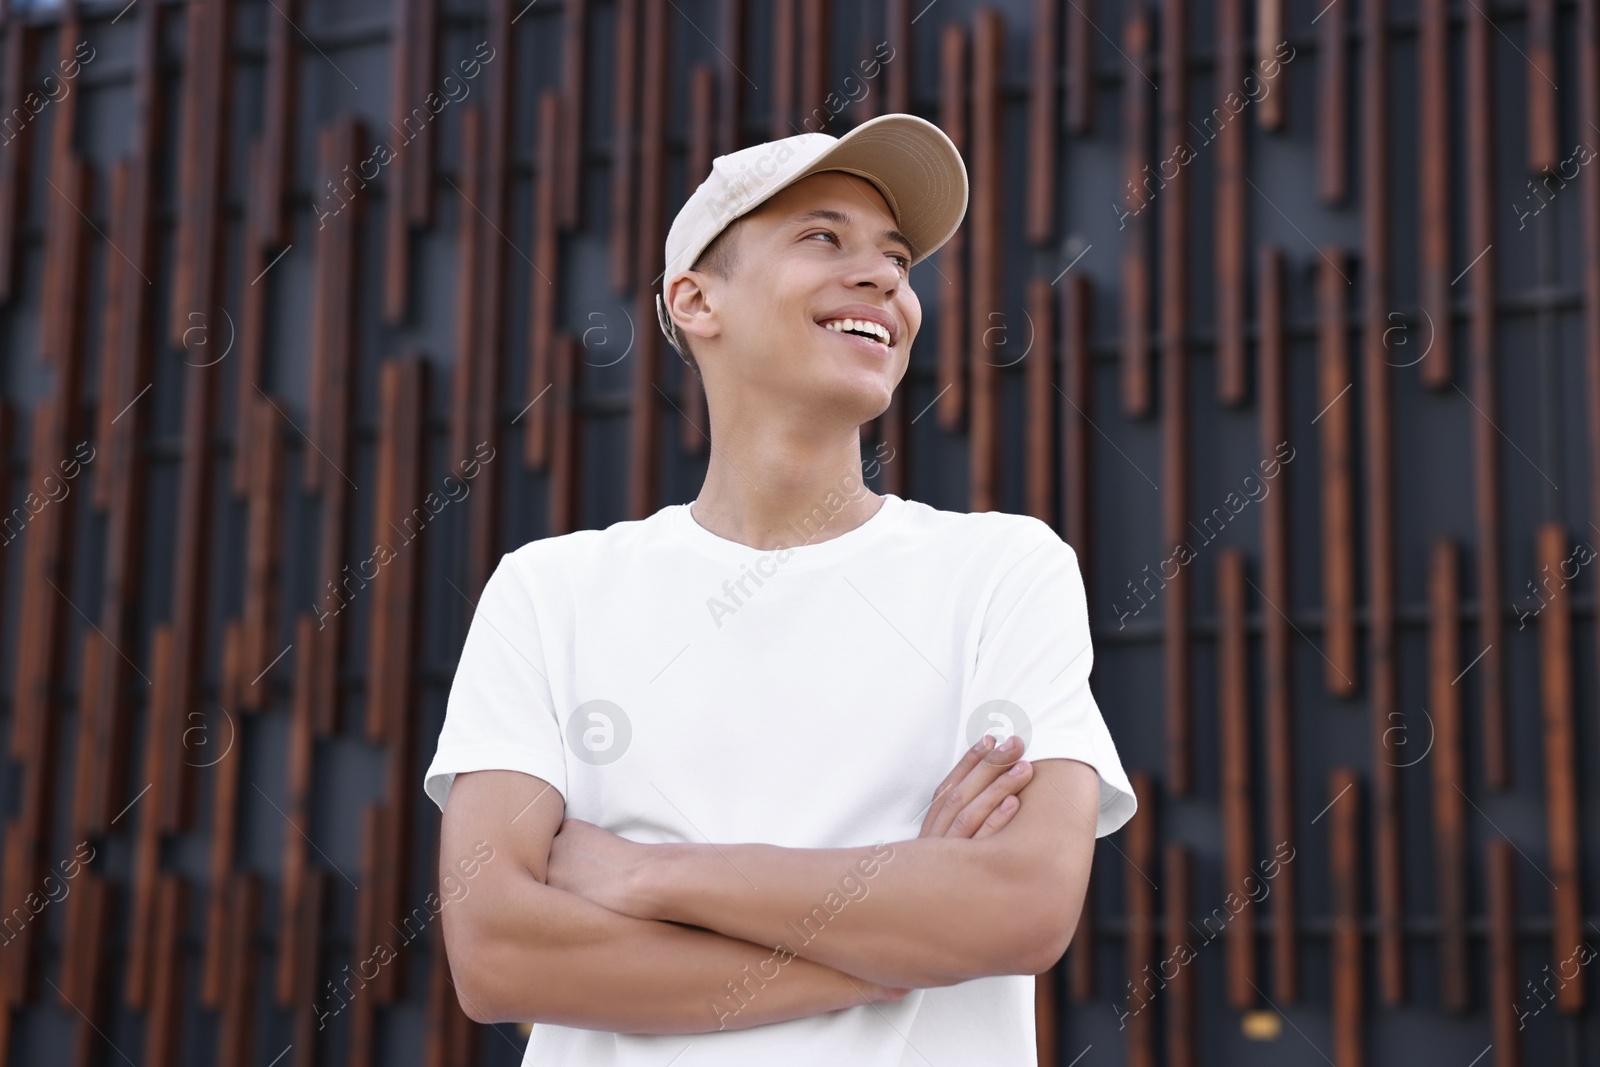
(875, 270)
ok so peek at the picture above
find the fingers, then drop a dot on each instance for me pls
(978, 777)
(985, 812)
(1002, 815)
(962, 768)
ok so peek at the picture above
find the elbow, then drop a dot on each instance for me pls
(483, 998)
(1049, 927)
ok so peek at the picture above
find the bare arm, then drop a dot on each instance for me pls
(522, 951)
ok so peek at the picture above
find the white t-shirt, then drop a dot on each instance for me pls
(674, 685)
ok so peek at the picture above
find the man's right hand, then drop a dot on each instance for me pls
(978, 797)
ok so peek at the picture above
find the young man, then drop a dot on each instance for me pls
(700, 747)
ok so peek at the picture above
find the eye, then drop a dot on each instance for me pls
(823, 233)
(905, 263)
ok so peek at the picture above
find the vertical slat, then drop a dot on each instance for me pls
(307, 937)
(1344, 876)
(263, 552)
(252, 320)
(732, 89)
(1043, 98)
(1503, 992)
(421, 154)
(1589, 115)
(1044, 1016)
(1080, 956)
(1379, 469)
(297, 793)
(1269, 32)
(1175, 391)
(988, 57)
(1433, 195)
(1277, 636)
(235, 1029)
(1333, 87)
(1140, 189)
(780, 119)
(1543, 151)
(644, 403)
(1180, 1007)
(364, 938)
(1140, 941)
(1560, 760)
(566, 454)
(225, 763)
(1040, 464)
(16, 159)
(1077, 408)
(203, 171)
(274, 174)
(163, 1036)
(158, 757)
(952, 379)
(1489, 673)
(1449, 813)
(403, 125)
(694, 438)
(470, 234)
(813, 62)
(91, 993)
(62, 215)
(1232, 218)
(623, 134)
(1080, 66)
(1335, 418)
(1233, 727)
(897, 19)
(568, 156)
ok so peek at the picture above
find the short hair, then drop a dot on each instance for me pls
(720, 258)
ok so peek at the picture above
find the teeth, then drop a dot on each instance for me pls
(842, 325)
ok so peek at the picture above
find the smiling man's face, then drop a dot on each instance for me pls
(823, 250)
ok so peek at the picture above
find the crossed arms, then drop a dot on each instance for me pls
(579, 927)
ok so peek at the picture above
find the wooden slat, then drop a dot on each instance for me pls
(163, 1035)
(1333, 102)
(952, 380)
(1044, 1016)
(812, 60)
(1504, 994)
(263, 552)
(1233, 743)
(1077, 407)
(1543, 151)
(306, 934)
(16, 160)
(252, 340)
(1433, 194)
(566, 456)
(1269, 33)
(623, 137)
(1489, 672)
(158, 758)
(732, 89)
(1180, 996)
(897, 19)
(986, 310)
(1175, 389)
(569, 154)
(1560, 758)
(1589, 115)
(695, 439)
(1376, 372)
(1039, 369)
(493, 203)
(236, 1026)
(407, 113)
(295, 871)
(1043, 101)
(1335, 420)
(1232, 217)
(225, 764)
(785, 44)
(1139, 896)
(1344, 877)
(202, 168)
(364, 940)
(1080, 66)
(90, 991)
(273, 174)
(470, 234)
(420, 157)
(1080, 955)
(645, 399)
(1449, 809)
(1277, 636)
(1135, 303)
(66, 205)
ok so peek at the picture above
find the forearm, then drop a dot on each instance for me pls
(918, 913)
(547, 956)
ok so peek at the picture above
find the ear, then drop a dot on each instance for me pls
(689, 305)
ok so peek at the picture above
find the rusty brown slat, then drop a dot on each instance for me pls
(813, 63)
(439, 1001)
(224, 815)
(1560, 756)
(1277, 695)
(296, 871)
(87, 913)
(694, 438)
(986, 311)
(16, 161)
(1233, 725)
(1335, 420)
(1489, 674)
(1543, 152)
(1333, 82)
(1449, 812)
(731, 86)
(542, 298)
(1040, 464)
(785, 44)
(109, 404)
(1504, 995)
(273, 175)
(1232, 218)
(566, 454)
(1269, 33)
(235, 1027)
(1433, 196)
(470, 234)
(644, 400)
(1175, 388)
(897, 32)
(1589, 114)
(574, 106)
(1080, 955)
(91, 993)
(1143, 187)
(158, 757)
(1379, 469)
(263, 552)
(1080, 66)
(623, 136)
(1139, 895)
(1344, 878)
(1077, 406)
(404, 121)
(307, 935)
(872, 44)
(1180, 995)
(56, 331)
(1043, 100)
(251, 335)
(163, 1036)
(952, 381)
(203, 174)
(364, 939)
(421, 154)
(1044, 1016)
(398, 512)
(493, 201)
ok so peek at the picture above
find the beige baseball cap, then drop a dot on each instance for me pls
(911, 161)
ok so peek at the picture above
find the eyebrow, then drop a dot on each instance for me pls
(824, 214)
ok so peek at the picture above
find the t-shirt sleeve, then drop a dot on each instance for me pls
(1032, 672)
(500, 714)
